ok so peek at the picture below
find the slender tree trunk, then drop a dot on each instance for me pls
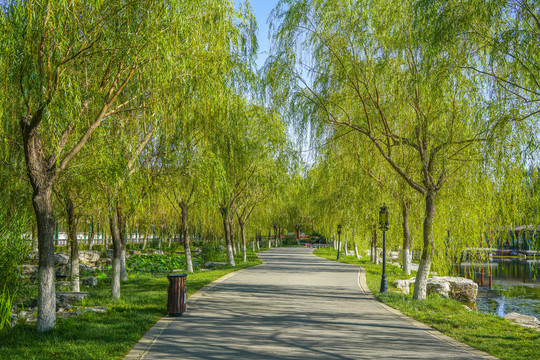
(252, 245)
(297, 230)
(405, 204)
(258, 243)
(345, 244)
(145, 240)
(270, 238)
(117, 252)
(74, 244)
(355, 246)
(243, 236)
(233, 240)
(91, 236)
(123, 239)
(374, 250)
(228, 239)
(420, 285)
(187, 246)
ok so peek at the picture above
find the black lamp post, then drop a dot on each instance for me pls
(339, 240)
(383, 222)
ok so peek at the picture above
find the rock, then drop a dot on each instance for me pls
(62, 271)
(403, 285)
(523, 320)
(159, 252)
(30, 271)
(134, 252)
(33, 255)
(210, 264)
(460, 289)
(60, 310)
(414, 267)
(88, 257)
(23, 314)
(14, 319)
(64, 298)
(28, 302)
(439, 286)
(104, 262)
(96, 310)
(90, 281)
(61, 259)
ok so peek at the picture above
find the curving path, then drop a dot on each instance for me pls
(294, 306)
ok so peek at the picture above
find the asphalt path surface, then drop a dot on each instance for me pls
(294, 306)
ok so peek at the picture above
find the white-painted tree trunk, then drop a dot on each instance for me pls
(355, 246)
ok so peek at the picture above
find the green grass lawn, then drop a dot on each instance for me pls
(111, 335)
(486, 332)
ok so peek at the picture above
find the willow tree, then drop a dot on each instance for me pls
(249, 135)
(69, 66)
(373, 71)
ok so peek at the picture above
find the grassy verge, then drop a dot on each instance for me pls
(485, 332)
(111, 335)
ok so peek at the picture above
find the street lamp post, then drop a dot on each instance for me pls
(339, 240)
(383, 222)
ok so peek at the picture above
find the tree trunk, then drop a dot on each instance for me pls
(41, 201)
(345, 244)
(374, 251)
(405, 204)
(258, 243)
(355, 246)
(117, 252)
(42, 177)
(270, 238)
(243, 236)
(123, 240)
(91, 236)
(252, 245)
(74, 244)
(187, 246)
(228, 239)
(233, 241)
(145, 238)
(297, 230)
(420, 285)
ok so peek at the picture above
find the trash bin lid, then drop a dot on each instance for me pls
(176, 275)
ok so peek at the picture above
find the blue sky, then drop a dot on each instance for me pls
(262, 9)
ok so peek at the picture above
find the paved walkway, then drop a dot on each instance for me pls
(294, 306)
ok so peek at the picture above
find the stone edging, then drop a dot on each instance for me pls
(433, 332)
(139, 350)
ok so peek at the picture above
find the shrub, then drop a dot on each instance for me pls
(212, 252)
(14, 246)
(155, 263)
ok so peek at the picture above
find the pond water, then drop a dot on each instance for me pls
(514, 286)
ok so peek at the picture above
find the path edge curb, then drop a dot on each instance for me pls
(140, 349)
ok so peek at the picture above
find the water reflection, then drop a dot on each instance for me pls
(506, 286)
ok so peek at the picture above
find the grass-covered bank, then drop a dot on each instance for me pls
(109, 335)
(485, 332)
